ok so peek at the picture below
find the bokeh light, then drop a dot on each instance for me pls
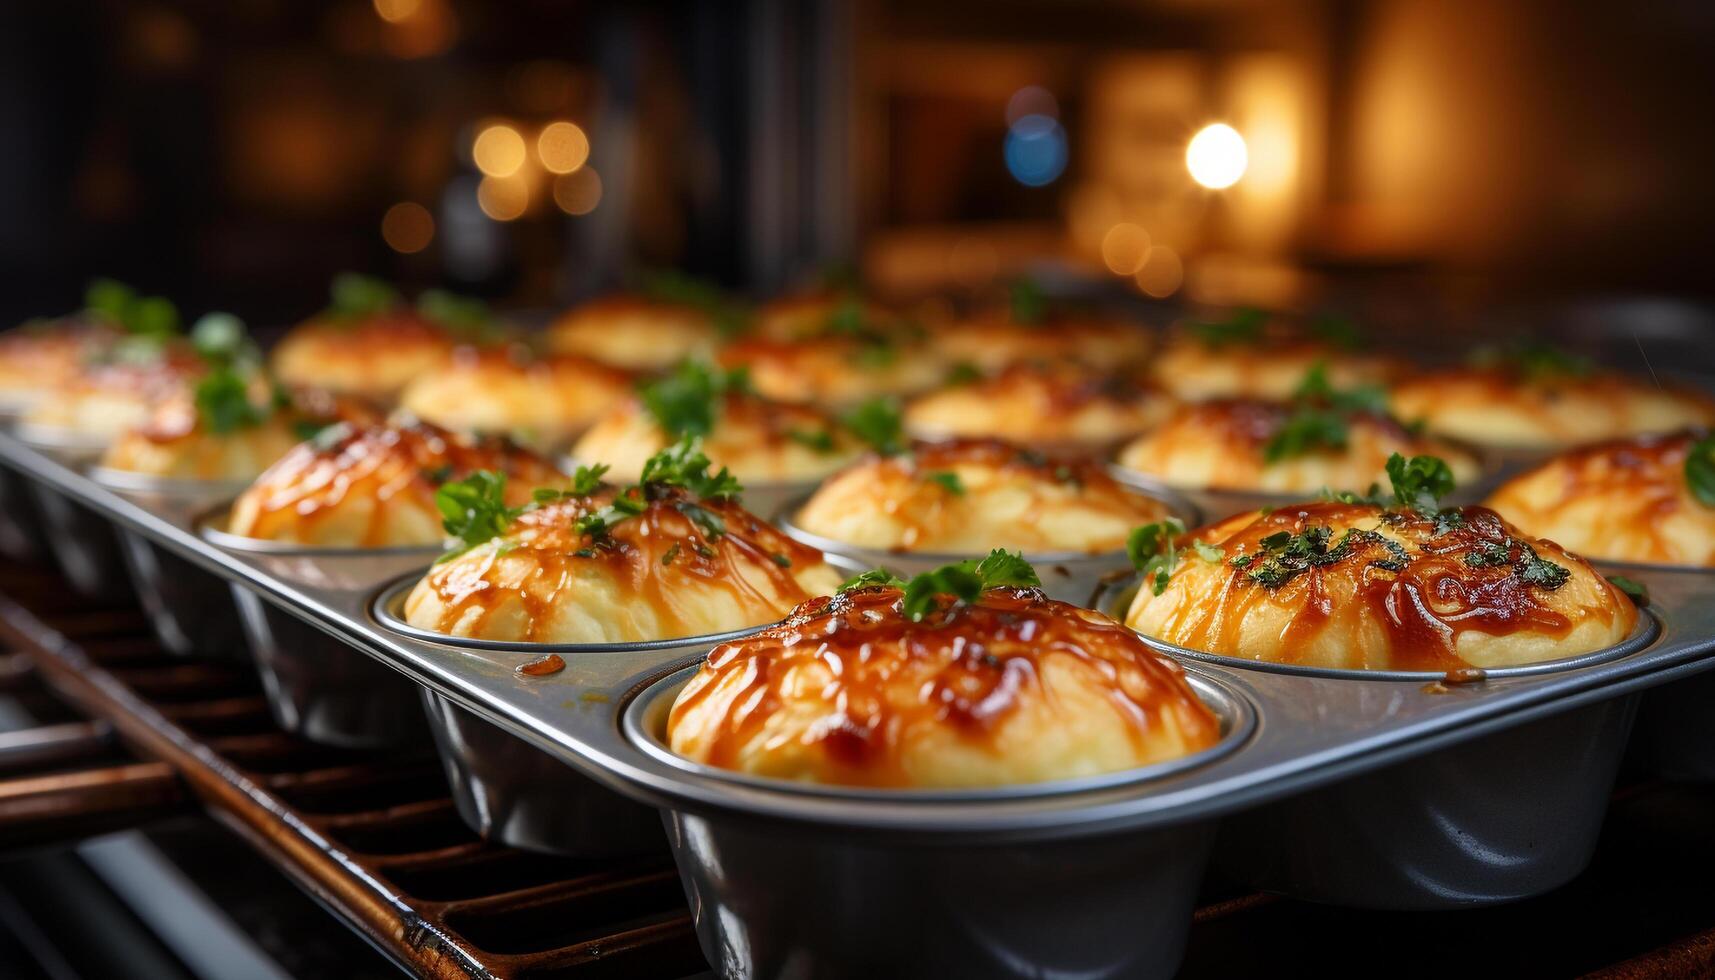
(498, 151)
(397, 11)
(1162, 272)
(578, 192)
(503, 198)
(1035, 150)
(1125, 248)
(407, 227)
(1217, 157)
(562, 147)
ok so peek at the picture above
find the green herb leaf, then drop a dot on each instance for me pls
(473, 510)
(671, 553)
(683, 464)
(223, 402)
(949, 481)
(819, 440)
(1534, 360)
(354, 296)
(1152, 550)
(880, 424)
(1638, 591)
(1700, 470)
(462, 315)
(966, 581)
(1207, 551)
(1244, 326)
(1420, 482)
(1306, 430)
(873, 577)
(151, 317)
(1284, 555)
(688, 401)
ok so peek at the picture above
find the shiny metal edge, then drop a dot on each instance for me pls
(644, 717)
(126, 481)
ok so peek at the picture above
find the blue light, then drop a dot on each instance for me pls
(1035, 150)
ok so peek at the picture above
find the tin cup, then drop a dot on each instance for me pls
(1675, 732)
(317, 685)
(1069, 576)
(189, 608)
(777, 898)
(83, 543)
(509, 791)
(1496, 818)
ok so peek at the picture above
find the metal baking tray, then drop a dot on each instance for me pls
(1310, 734)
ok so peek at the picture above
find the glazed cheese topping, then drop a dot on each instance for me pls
(682, 568)
(1225, 445)
(1497, 407)
(1622, 501)
(759, 441)
(543, 403)
(374, 357)
(634, 333)
(1014, 688)
(1069, 407)
(970, 496)
(374, 486)
(1354, 586)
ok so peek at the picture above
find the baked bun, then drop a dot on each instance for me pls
(996, 342)
(834, 371)
(39, 358)
(107, 397)
(635, 333)
(374, 486)
(1039, 405)
(373, 356)
(970, 496)
(178, 443)
(1356, 586)
(1226, 444)
(759, 441)
(1012, 688)
(1252, 357)
(543, 403)
(1503, 406)
(1626, 500)
(664, 573)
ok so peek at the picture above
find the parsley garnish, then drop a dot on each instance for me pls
(1700, 470)
(354, 296)
(1534, 360)
(871, 579)
(820, 440)
(461, 315)
(1420, 482)
(688, 401)
(1244, 326)
(683, 464)
(965, 581)
(222, 395)
(1153, 550)
(151, 317)
(949, 481)
(879, 423)
(1283, 555)
(671, 553)
(1320, 415)
(473, 510)
(1637, 591)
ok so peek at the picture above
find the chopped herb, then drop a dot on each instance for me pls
(223, 403)
(468, 318)
(819, 440)
(1028, 303)
(1534, 360)
(878, 423)
(1700, 470)
(1305, 430)
(1419, 482)
(1284, 555)
(949, 481)
(781, 560)
(683, 464)
(1533, 569)
(688, 402)
(1638, 591)
(1244, 326)
(703, 550)
(870, 579)
(1152, 550)
(355, 296)
(585, 481)
(474, 511)
(965, 581)
(708, 520)
(151, 317)
(671, 553)
(1490, 554)
(1207, 551)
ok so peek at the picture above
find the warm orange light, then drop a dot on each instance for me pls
(1162, 272)
(407, 227)
(397, 11)
(503, 198)
(1217, 156)
(1124, 249)
(562, 147)
(578, 192)
(498, 151)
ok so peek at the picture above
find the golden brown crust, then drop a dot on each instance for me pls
(995, 342)
(106, 398)
(1222, 445)
(374, 486)
(1270, 368)
(38, 358)
(634, 333)
(662, 574)
(759, 441)
(1015, 688)
(1403, 591)
(1062, 406)
(1011, 498)
(1495, 406)
(542, 402)
(176, 444)
(1624, 500)
(834, 370)
(373, 357)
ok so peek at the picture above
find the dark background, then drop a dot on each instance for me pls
(1438, 156)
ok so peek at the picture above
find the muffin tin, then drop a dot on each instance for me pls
(1092, 876)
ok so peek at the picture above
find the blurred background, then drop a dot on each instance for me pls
(1422, 161)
